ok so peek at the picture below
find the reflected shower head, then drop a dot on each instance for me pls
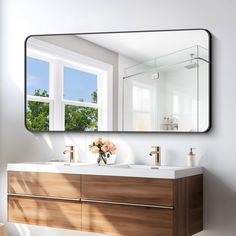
(192, 64)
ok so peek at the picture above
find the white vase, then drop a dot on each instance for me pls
(111, 159)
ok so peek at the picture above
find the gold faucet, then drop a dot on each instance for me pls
(71, 150)
(157, 153)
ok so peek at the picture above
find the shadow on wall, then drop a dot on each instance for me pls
(81, 141)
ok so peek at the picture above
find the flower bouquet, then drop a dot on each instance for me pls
(104, 148)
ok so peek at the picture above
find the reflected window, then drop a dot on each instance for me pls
(66, 94)
(141, 97)
(142, 113)
(176, 105)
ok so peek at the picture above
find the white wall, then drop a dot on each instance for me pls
(216, 148)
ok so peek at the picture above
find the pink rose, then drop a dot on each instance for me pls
(98, 141)
(105, 147)
(112, 147)
(107, 141)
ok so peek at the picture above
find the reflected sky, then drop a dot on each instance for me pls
(37, 75)
(78, 85)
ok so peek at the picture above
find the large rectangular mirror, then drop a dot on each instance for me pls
(149, 81)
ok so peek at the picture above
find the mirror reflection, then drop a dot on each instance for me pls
(130, 81)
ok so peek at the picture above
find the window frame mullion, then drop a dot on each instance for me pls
(57, 91)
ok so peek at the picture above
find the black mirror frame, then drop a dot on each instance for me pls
(120, 132)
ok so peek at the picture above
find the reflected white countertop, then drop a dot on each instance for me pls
(127, 170)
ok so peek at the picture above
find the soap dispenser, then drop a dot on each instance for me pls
(191, 158)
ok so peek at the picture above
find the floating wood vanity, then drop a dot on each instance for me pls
(104, 203)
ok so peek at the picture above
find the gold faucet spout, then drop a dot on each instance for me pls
(157, 154)
(71, 151)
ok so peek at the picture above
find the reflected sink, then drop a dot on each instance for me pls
(150, 167)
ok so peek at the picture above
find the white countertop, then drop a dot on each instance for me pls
(127, 170)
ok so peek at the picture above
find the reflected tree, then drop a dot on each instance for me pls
(81, 118)
(77, 118)
(37, 114)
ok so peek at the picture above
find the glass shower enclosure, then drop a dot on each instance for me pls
(169, 93)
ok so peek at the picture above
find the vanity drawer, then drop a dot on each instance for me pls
(44, 184)
(126, 220)
(128, 189)
(45, 212)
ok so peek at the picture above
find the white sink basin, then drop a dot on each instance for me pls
(128, 170)
(150, 167)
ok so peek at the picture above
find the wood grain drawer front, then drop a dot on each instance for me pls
(128, 189)
(44, 184)
(45, 212)
(195, 204)
(126, 220)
